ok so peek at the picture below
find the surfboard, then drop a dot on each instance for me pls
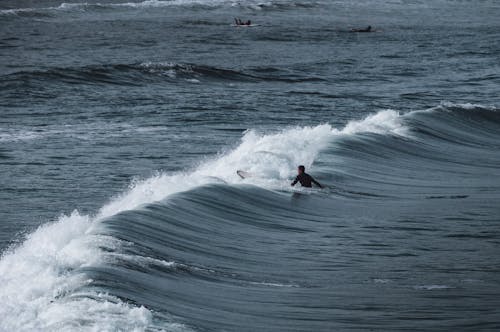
(244, 25)
(243, 174)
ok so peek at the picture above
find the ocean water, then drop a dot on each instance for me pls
(122, 125)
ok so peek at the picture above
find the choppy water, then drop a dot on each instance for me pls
(122, 126)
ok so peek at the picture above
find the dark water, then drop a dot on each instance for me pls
(122, 126)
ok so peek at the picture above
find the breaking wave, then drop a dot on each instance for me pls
(152, 258)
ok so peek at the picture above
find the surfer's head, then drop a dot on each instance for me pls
(301, 169)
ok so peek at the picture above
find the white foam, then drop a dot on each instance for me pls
(272, 284)
(141, 260)
(62, 6)
(79, 131)
(14, 11)
(432, 287)
(68, 6)
(22, 135)
(39, 278)
(381, 281)
(467, 106)
(160, 3)
(39, 282)
(388, 121)
(100, 312)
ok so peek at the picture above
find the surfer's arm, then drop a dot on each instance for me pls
(316, 183)
(295, 181)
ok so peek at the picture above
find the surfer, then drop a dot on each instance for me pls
(238, 21)
(305, 179)
(368, 29)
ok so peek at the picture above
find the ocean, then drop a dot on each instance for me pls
(122, 126)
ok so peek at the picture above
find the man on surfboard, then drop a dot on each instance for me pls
(305, 179)
(369, 29)
(239, 22)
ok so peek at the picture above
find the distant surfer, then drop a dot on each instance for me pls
(238, 21)
(368, 29)
(305, 179)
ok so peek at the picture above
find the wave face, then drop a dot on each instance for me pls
(206, 250)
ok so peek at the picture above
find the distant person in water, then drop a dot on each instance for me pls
(305, 179)
(368, 29)
(238, 21)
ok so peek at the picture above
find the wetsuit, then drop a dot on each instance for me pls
(305, 180)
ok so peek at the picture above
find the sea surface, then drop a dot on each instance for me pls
(122, 125)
